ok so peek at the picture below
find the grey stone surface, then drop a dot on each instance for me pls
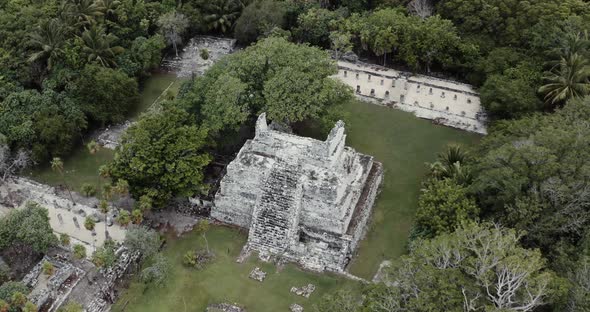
(304, 291)
(224, 307)
(295, 308)
(257, 274)
(302, 199)
(443, 101)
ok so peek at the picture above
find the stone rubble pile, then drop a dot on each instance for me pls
(106, 291)
(295, 308)
(304, 291)
(257, 274)
(224, 307)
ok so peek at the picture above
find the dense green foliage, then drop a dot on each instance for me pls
(28, 226)
(107, 95)
(478, 265)
(258, 19)
(443, 206)
(289, 82)
(162, 155)
(532, 175)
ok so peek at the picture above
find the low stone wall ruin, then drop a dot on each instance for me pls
(444, 101)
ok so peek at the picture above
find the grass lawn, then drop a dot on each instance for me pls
(224, 280)
(403, 143)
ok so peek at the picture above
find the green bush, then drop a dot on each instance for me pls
(88, 190)
(64, 239)
(89, 223)
(48, 268)
(204, 53)
(79, 251)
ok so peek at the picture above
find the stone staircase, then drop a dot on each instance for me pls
(276, 215)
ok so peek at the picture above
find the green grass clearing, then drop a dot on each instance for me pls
(224, 280)
(402, 142)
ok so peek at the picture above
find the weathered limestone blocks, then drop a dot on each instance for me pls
(47, 292)
(303, 200)
(257, 274)
(295, 308)
(447, 102)
(224, 307)
(304, 291)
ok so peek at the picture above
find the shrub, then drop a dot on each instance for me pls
(48, 268)
(204, 53)
(189, 259)
(64, 239)
(79, 251)
(89, 223)
(124, 218)
(136, 216)
(88, 190)
(71, 307)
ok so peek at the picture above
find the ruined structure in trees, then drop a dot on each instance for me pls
(302, 199)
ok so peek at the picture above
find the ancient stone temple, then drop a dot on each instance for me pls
(302, 199)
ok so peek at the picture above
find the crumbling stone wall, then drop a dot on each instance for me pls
(444, 101)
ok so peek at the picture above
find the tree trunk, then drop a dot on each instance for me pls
(384, 58)
(175, 48)
(67, 188)
(206, 243)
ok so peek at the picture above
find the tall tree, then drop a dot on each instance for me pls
(478, 267)
(220, 15)
(49, 40)
(57, 165)
(99, 47)
(82, 12)
(173, 25)
(162, 155)
(568, 79)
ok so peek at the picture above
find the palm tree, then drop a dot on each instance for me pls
(572, 43)
(221, 14)
(566, 80)
(108, 7)
(94, 148)
(99, 46)
(451, 165)
(82, 12)
(49, 41)
(104, 208)
(58, 165)
(453, 154)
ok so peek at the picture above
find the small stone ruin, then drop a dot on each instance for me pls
(224, 307)
(48, 292)
(295, 308)
(304, 291)
(257, 274)
(190, 61)
(303, 200)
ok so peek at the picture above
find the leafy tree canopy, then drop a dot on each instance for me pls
(162, 156)
(273, 76)
(29, 226)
